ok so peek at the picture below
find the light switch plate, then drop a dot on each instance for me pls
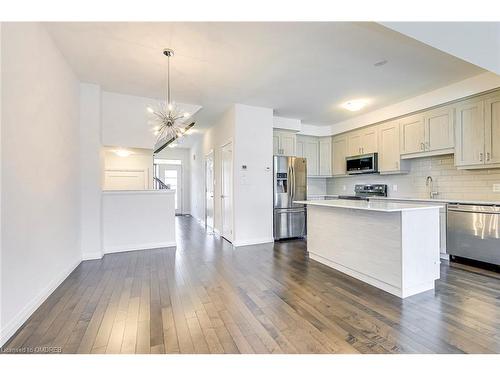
(344, 188)
(496, 188)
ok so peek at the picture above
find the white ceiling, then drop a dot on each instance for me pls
(302, 70)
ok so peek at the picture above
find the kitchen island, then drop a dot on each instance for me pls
(392, 246)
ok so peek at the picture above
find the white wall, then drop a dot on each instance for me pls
(126, 122)
(253, 187)
(183, 154)
(40, 171)
(471, 86)
(91, 164)
(250, 129)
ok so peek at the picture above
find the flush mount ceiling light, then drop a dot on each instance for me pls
(122, 153)
(355, 105)
(167, 119)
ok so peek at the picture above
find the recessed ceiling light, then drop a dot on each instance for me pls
(122, 153)
(355, 105)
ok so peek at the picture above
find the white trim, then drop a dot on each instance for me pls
(22, 316)
(358, 275)
(255, 241)
(145, 246)
(118, 192)
(92, 255)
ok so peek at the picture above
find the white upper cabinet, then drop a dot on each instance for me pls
(389, 157)
(318, 153)
(311, 153)
(364, 141)
(325, 156)
(369, 140)
(470, 134)
(426, 134)
(299, 147)
(339, 154)
(412, 133)
(354, 143)
(439, 132)
(284, 143)
(492, 130)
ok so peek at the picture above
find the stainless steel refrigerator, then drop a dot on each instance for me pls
(290, 184)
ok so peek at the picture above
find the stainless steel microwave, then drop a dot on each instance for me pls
(359, 164)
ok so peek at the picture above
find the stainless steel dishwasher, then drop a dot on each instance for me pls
(473, 232)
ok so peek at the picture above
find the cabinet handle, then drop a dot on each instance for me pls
(480, 156)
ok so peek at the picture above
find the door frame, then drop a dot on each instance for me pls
(208, 155)
(180, 180)
(229, 142)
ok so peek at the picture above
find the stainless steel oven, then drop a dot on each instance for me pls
(473, 232)
(360, 164)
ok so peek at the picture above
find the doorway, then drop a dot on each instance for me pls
(173, 178)
(169, 172)
(209, 192)
(227, 191)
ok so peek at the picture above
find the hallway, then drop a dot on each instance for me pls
(206, 297)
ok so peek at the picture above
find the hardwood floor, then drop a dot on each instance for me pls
(206, 297)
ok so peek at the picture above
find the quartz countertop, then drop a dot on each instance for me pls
(435, 200)
(380, 205)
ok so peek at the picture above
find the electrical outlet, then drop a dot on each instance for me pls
(344, 188)
(496, 188)
(394, 187)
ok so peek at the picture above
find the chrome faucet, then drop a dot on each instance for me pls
(429, 182)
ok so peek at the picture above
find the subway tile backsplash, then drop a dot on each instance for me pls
(449, 182)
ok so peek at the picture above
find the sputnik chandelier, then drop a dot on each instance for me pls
(167, 119)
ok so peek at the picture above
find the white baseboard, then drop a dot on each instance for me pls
(92, 256)
(255, 241)
(11, 327)
(145, 246)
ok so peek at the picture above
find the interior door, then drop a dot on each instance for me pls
(492, 129)
(173, 177)
(227, 191)
(209, 192)
(125, 180)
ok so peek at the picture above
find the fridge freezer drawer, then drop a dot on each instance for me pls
(289, 223)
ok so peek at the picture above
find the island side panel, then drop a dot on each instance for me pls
(420, 254)
(362, 244)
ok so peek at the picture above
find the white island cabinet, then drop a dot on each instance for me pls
(392, 246)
